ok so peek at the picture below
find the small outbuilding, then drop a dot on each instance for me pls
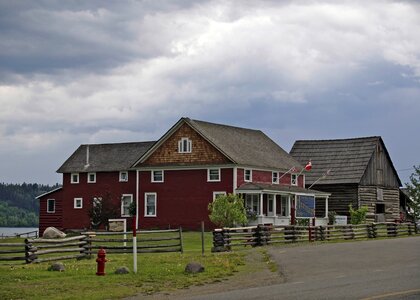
(356, 171)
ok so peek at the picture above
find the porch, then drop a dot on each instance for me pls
(284, 205)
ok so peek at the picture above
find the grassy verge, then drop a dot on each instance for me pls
(156, 272)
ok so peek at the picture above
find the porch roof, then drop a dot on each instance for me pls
(277, 188)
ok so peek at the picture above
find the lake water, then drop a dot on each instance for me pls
(12, 230)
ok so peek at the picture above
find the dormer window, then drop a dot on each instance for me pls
(184, 145)
(74, 178)
(294, 179)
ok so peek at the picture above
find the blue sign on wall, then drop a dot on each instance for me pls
(305, 207)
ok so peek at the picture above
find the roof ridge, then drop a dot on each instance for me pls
(342, 139)
(222, 125)
(122, 143)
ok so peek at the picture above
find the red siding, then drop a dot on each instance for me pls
(183, 198)
(51, 219)
(266, 177)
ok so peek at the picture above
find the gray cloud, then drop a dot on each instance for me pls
(74, 72)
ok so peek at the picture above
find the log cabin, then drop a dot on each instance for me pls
(355, 171)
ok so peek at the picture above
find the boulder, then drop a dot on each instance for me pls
(53, 233)
(57, 267)
(122, 270)
(194, 267)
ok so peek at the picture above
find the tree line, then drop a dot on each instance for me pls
(18, 206)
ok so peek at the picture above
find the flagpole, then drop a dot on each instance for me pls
(286, 172)
(322, 177)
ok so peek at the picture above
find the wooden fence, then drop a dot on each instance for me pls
(88, 243)
(226, 238)
(33, 234)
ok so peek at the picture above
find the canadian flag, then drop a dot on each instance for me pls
(308, 166)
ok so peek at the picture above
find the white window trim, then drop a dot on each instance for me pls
(50, 211)
(272, 176)
(75, 203)
(181, 145)
(250, 175)
(88, 177)
(214, 180)
(291, 179)
(218, 193)
(71, 178)
(121, 180)
(152, 174)
(145, 205)
(122, 206)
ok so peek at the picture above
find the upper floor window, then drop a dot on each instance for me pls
(78, 202)
(294, 179)
(213, 174)
(248, 175)
(123, 176)
(157, 176)
(275, 177)
(51, 206)
(184, 145)
(74, 178)
(91, 177)
(125, 204)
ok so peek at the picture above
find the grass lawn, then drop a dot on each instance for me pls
(156, 272)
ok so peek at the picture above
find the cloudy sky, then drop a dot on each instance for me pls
(74, 72)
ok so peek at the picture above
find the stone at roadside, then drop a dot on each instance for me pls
(122, 270)
(53, 233)
(194, 268)
(59, 267)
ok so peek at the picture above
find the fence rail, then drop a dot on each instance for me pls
(226, 238)
(83, 246)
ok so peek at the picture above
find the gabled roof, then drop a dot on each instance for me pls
(247, 147)
(105, 157)
(49, 192)
(346, 158)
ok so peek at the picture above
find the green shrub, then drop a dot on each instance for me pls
(228, 210)
(358, 216)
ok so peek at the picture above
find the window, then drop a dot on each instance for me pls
(284, 209)
(213, 174)
(252, 203)
(184, 145)
(379, 194)
(248, 175)
(157, 176)
(50, 206)
(270, 200)
(91, 177)
(150, 204)
(74, 178)
(294, 179)
(379, 208)
(125, 204)
(123, 176)
(218, 194)
(78, 202)
(275, 177)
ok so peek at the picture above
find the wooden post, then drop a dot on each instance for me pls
(134, 245)
(27, 247)
(180, 240)
(202, 238)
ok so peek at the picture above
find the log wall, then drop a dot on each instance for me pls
(368, 196)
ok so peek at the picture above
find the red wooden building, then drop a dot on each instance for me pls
(174, 179)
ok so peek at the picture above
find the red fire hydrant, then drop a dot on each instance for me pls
(101, 260)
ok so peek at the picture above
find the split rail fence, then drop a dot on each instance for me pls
(226, 238)
(88, 243)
